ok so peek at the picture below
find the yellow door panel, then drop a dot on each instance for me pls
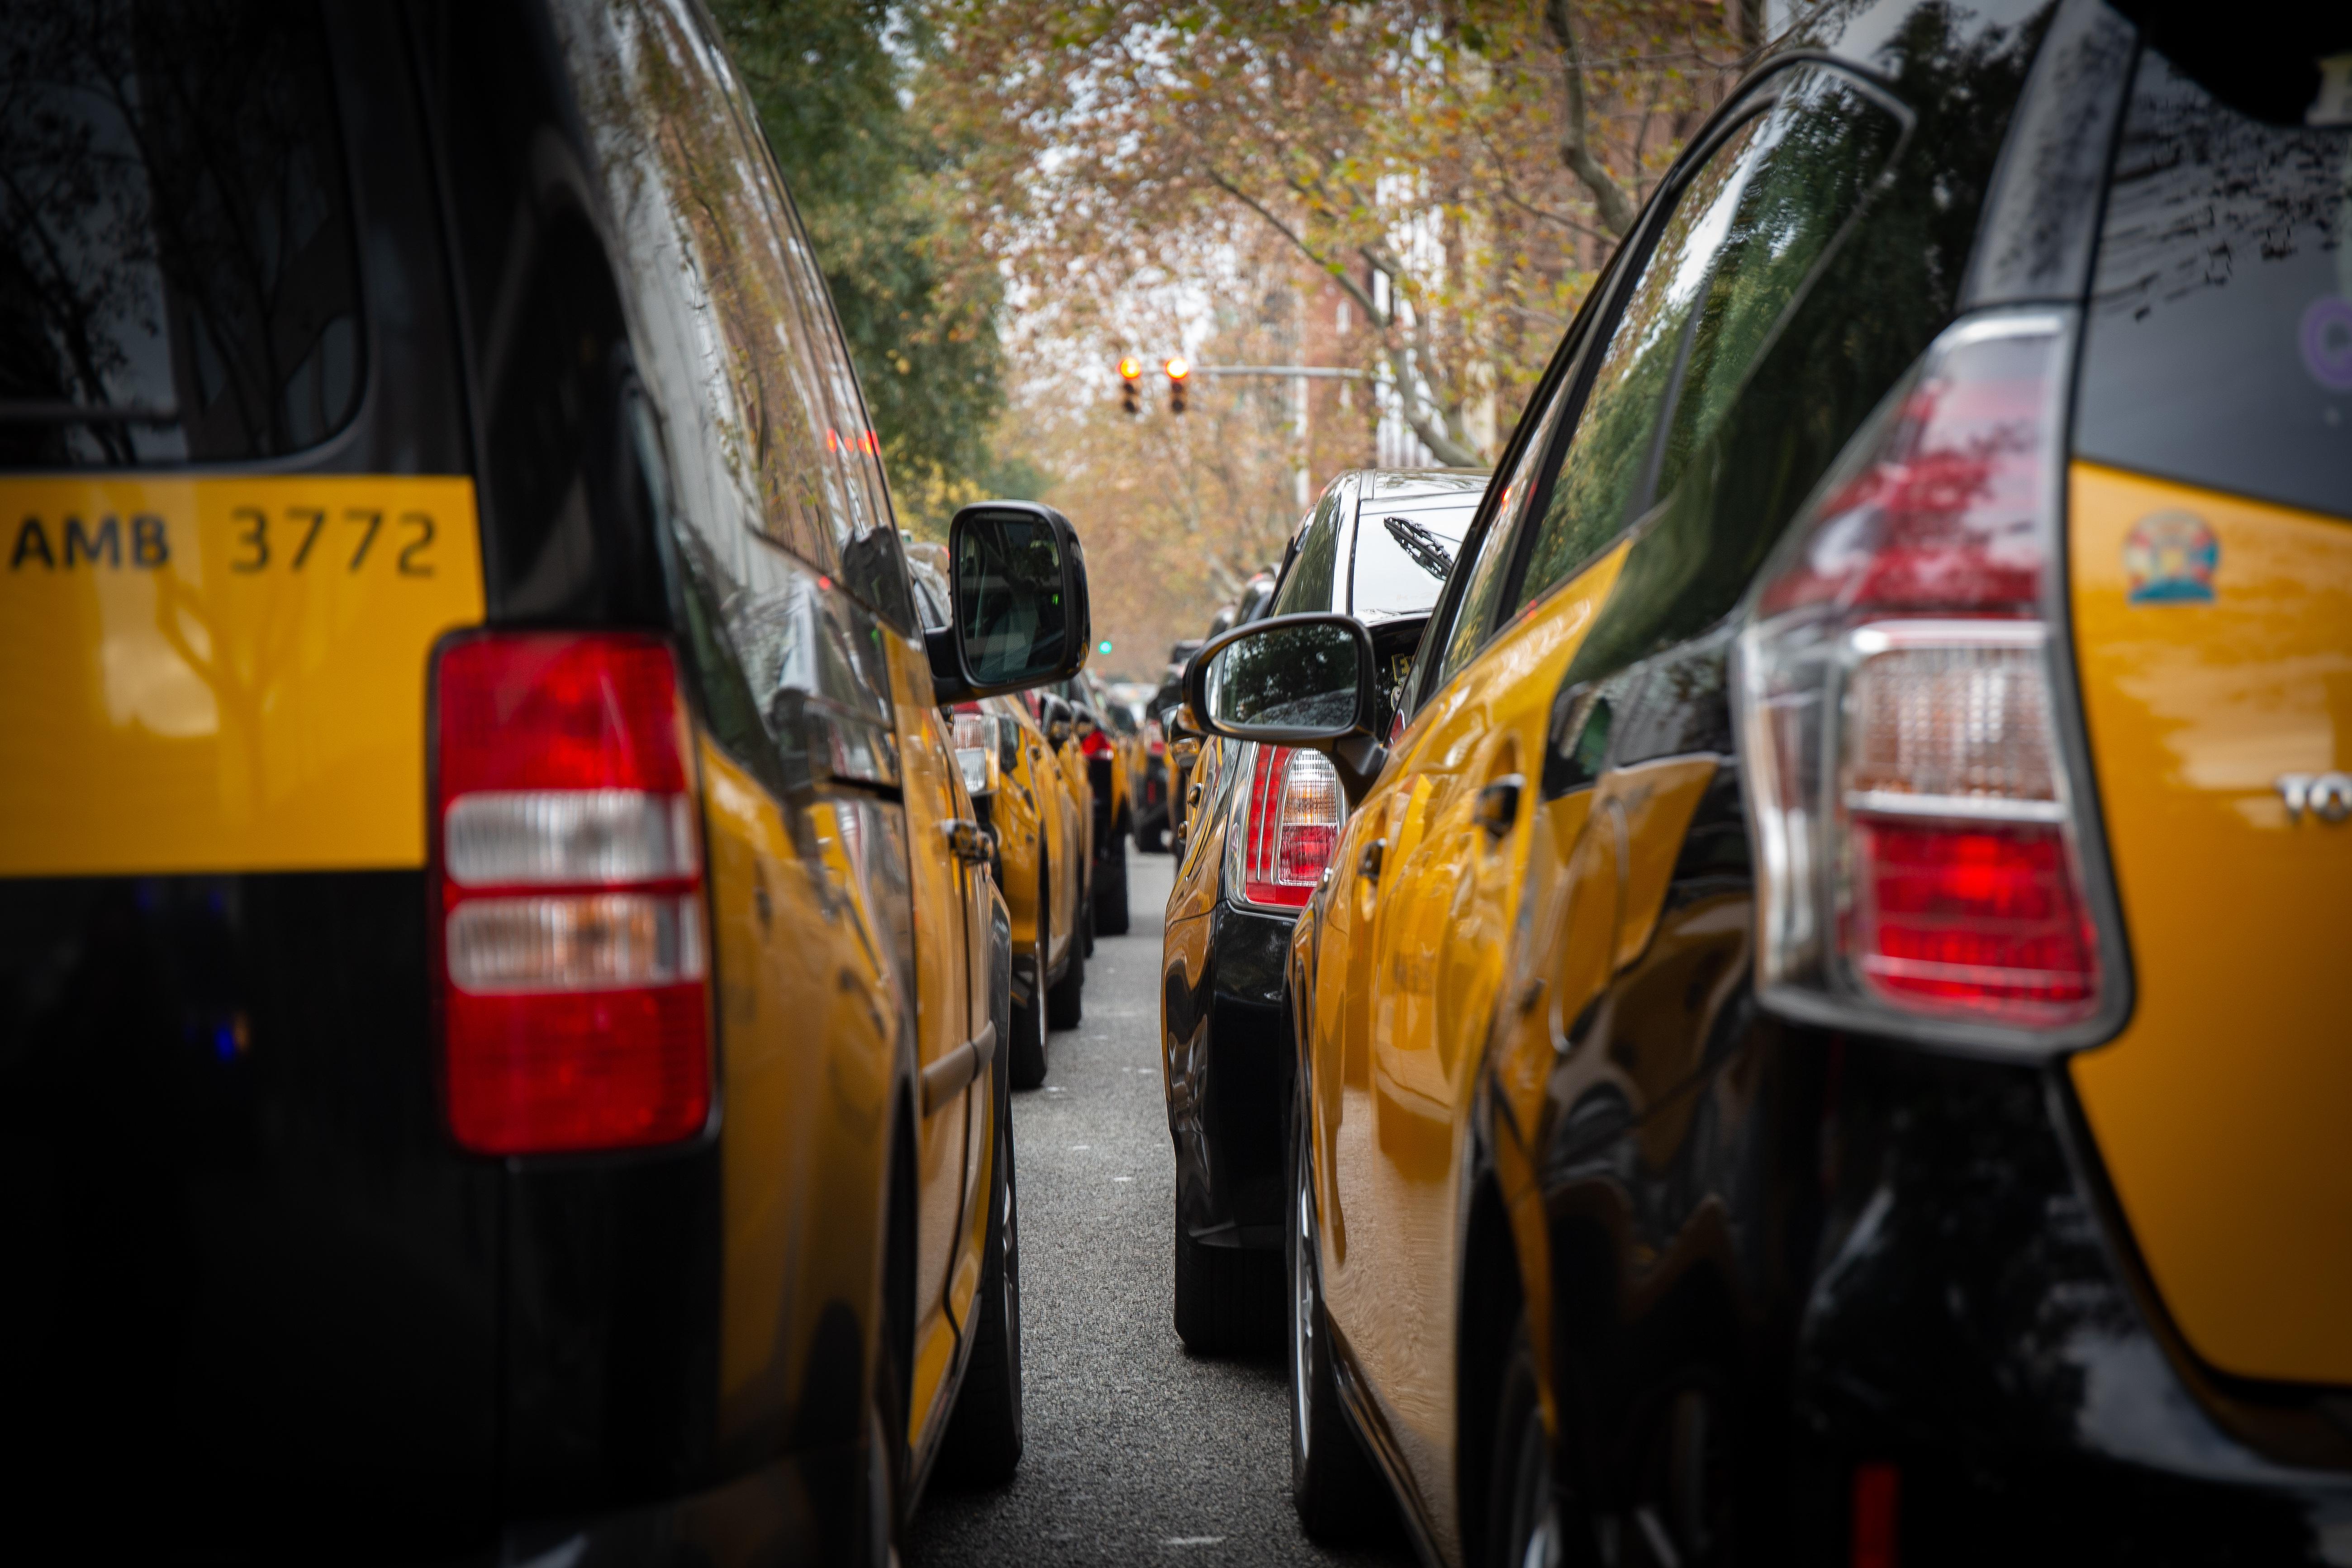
(1653, 802)
(2220, 1109)
(806, 1045)
(1447, 899)
(224, 674)
(943, 1021)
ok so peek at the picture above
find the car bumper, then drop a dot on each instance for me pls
(1977, 1321)
(1226, 1031)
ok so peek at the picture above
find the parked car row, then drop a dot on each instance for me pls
(1812, 1029)
(519, 915)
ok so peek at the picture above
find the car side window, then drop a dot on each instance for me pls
(1308, 580)
(1753, 227)
(1821, 294)
(1482, 593)
(1610, 450)
(728, 353)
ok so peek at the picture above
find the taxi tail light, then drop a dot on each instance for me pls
(567, 869)
(979, 750)
(1095, 744)
(1918, 819)
(1295, 812)
(1155, 742)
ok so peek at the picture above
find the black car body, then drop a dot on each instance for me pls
(1377, 545)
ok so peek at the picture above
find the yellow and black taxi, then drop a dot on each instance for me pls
(499, 987)
(1377, 546)
(1019, 798)
(1823, 1037)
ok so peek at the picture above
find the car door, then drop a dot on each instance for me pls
(949, 920)
(1469, 777)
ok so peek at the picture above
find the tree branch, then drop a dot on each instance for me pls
(1575, 144)
(1338, 274)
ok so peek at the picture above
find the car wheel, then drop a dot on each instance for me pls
(1152, 836)
(1065, 1004)
(984, 1438)
(1333, 1486)
(1111, 889)
(1531, 1521)
(1024, 1055)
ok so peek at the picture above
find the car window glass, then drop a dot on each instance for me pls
(176, 274)
(1482, 593)
(706, 242)
(1403, 554)
(872, 563)
(1809, 168)
(1817, 304)
(1608, 456)
(1308, 585)
(2218, 344)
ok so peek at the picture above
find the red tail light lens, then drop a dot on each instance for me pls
(1920, 851)
(1294, 810)
(568, 862)
(1154, 743)
(1095, 744)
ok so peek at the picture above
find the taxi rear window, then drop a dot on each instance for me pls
(2219, 345)
(1403, 554)
(176, 274)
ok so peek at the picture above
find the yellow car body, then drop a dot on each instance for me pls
(1838, 1154)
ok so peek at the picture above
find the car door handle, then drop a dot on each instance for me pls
(971, 843)
(1498, 804)
(1368, 863)
(947, 1076)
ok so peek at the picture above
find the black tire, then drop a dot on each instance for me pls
(1333, 1485)
(879, 1547)
(1110, 888)
(1024, 1055)
(1064, 1004)
(1025, 1052)
(983, 1439)
(1527, 1517)
(1152, 836)
(1228, 1299)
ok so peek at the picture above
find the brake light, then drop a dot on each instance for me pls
(1921, 846)
(568, 858)
(1155, 743)
(1095, 744)
(1293, 825)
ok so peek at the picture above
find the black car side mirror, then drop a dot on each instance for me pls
(1020, 618)
(1307, 680)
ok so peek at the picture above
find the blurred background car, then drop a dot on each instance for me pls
(1377, 546)
(1020, 796)
(1112, 754)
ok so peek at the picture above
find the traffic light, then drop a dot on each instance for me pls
(1176, 371)
(1130, 377)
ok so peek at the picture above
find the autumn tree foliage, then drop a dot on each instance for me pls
(1458, 171)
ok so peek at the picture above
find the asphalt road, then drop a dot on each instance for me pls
(1137, 1452)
